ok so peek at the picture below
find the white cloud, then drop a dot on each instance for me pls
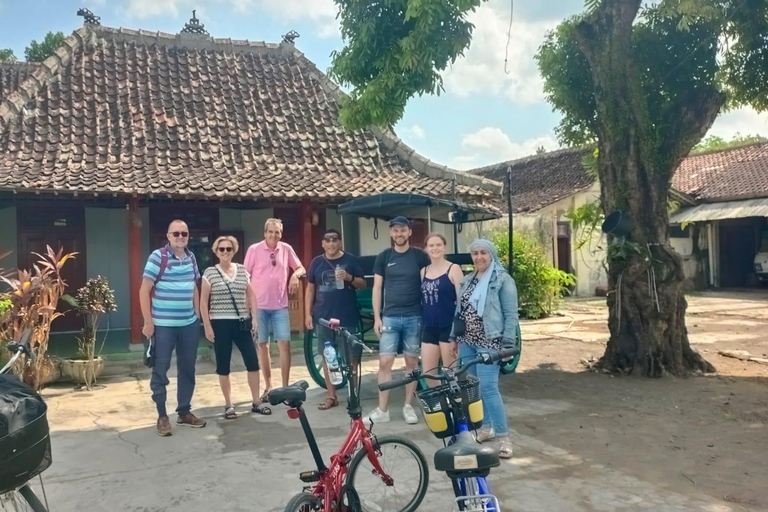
(745, 121)
(491, 145)
(481, 70)
(414, 133)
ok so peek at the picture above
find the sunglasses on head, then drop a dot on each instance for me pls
(331, 238)
(225, 249)
(272, 258)
(180, 234)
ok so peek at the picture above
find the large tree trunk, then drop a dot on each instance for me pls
(646, 299)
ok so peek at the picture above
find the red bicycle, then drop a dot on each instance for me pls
(368, 473)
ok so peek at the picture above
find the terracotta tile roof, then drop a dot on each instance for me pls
(540, 180)
(121, 111)
(12, 74)
(739, 173)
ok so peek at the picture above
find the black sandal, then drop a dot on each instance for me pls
(229, 412)
(261, 409)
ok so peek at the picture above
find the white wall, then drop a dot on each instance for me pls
(370, 246)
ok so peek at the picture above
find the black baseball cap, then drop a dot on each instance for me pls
(399, 221)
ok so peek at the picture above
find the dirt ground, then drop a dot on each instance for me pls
(705, 435)
(583, 441)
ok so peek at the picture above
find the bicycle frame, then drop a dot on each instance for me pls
(331, 479)
(461, 425)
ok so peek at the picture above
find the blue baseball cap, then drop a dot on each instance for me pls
(399, 221)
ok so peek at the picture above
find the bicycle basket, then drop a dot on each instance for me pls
(437, 411)
(25, 445)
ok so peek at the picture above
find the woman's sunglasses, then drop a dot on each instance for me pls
(225, 249)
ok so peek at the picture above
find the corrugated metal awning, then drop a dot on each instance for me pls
(720, 211)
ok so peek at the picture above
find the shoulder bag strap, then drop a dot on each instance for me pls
(231, 295)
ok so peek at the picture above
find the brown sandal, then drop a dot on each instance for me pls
(328, 403)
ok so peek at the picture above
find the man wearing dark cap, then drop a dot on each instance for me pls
(398, 323)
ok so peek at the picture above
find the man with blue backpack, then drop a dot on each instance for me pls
(170, 305)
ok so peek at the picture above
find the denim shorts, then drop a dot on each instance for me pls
(400, 333)
(275, 322)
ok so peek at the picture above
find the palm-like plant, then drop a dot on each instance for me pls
(33, 298)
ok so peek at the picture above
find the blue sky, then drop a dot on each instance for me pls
(487, 114)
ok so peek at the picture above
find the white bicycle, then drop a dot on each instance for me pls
(15, 493)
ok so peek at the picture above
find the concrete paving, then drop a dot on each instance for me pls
(107, 456)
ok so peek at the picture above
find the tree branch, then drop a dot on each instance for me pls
(688, 123)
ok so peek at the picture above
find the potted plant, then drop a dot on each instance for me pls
(33, 297)
(91, 301)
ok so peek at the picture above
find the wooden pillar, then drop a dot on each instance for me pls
(306, 245)
(134, 268)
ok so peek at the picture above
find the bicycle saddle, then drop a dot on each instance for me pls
(466, 457)
(296, 392)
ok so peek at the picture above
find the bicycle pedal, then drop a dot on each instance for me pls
(309, 476)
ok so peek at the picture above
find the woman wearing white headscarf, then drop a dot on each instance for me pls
(486, 320)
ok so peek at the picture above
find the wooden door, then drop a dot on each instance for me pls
(63, 229)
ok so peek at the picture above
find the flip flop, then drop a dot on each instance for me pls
(328, 403)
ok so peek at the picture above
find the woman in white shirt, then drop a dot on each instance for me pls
(228, 308)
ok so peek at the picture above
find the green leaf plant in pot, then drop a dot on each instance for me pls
(91, 302)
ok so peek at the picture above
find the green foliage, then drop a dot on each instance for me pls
(621, 250)
(584, 221)
(715, 143)
(676, 66)
(5, 305)
(540, 286)
(38, 52)
(91, 301)
(6, 54)
(396, 49)
(590, 163)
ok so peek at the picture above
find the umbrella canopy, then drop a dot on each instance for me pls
(417, 206)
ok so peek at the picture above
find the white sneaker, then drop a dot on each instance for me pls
(410, 415)
(377, 416)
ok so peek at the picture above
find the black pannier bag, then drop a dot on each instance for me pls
(25, 445)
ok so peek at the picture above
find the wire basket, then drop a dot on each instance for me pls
(439, 414)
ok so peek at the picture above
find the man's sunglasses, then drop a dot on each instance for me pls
(272, 257)
(331, 239)
(180, 234)
(225, 249)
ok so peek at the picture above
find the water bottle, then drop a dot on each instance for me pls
(333, 364)
(339, 282)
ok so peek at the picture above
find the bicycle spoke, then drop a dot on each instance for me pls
(402, 466)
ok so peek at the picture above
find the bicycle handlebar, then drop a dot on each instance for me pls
(335, 326)
(482, 357)
(17, 348)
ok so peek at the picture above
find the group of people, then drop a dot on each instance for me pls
(423, 306)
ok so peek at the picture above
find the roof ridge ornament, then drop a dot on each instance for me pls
(89, 18)
(193, 26)
(290, 37)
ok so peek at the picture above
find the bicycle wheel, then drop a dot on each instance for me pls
(22, 500)
(315, 361)
(402, 460)
(303, 502)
